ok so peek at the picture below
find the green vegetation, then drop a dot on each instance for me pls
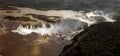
(116, 16)
(98, 40)
(99, 19)
(18, 18)
(66, 4)
(46, 18)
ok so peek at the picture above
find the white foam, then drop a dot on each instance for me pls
(62, 27)
(65, 25)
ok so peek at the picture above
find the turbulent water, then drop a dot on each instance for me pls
(63, 26)
(71, 21)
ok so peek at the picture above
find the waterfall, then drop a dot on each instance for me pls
(68, 23)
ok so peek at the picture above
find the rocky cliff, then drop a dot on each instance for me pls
(98, 40)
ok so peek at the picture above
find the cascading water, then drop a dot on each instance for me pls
(64, 26)
(68, 24)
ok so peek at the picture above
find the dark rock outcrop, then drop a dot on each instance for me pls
(98, 40)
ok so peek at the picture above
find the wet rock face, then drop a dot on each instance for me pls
(97, 40)
(10, 24)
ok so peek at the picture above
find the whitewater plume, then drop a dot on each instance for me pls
(63, 26)
(70, 21)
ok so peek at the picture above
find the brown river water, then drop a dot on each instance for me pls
(13, 44)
